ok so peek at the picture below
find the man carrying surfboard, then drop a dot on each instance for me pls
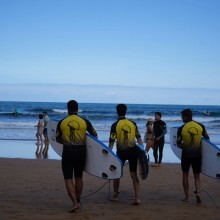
(189, 138)
(125, 132)
(71, 132)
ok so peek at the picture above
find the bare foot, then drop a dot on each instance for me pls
(198, 198)
(114, 198)
(154, 165)
(185, 200)
(137, 202)
(74, 209)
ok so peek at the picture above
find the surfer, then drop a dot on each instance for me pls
(15, 112)
(159, 131)
(189, 140)
(125, 132)
(46, 119)
(207, 113)
(71, 132)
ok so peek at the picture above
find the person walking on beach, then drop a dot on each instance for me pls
(159, 131)
(189, 138)
(39, 129)
(71, 132)
(46, 119)
(126, 131)
(148, 137)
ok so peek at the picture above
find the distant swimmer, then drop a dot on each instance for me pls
(207, 113)
(15, 112)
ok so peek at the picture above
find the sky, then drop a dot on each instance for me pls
(136, 51)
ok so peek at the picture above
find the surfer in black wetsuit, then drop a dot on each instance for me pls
(71, 132)
(159, 130)
(126, 133)
(189, 137)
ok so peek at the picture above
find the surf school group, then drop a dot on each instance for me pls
(71, 133)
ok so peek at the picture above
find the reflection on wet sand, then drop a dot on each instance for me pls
(42, 150)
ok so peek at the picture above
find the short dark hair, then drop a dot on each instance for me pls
(158, 113)
(121, 109)
(72, 106)
(40, 116)
(45, 113)
(187, 113)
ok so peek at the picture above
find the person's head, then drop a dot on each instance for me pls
(121, 109)
(158, 116)
(72, 107)
(40, 116)
(44, 113)
(186, 115)
(150, 121)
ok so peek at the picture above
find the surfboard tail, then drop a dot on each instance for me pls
(143, 164)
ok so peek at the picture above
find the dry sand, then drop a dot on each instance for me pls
(34, 189)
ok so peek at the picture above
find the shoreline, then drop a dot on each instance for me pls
(29, 150)
(34, 189)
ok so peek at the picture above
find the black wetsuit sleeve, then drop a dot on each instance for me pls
(137, 133)
(204, 132)
(164, 128)
(113, 133)
(179, 137)
(91, 129)
(59, 136)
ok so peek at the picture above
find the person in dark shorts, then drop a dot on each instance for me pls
(71, 132)
(46, 120)
(189, 137)
(126, 133)
(159, 131)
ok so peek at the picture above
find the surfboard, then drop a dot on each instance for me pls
(101, 161)
(143, 162)
(210, 155)
(16, 111)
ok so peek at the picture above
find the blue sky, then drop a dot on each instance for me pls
(135, 45)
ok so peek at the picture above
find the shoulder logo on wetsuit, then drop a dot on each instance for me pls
(113, 136)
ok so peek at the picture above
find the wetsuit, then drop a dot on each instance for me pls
(125, 131)
(159, 130)
(189, 138)
(71, 132)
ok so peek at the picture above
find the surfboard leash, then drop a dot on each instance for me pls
(210, 197)
(108, 182)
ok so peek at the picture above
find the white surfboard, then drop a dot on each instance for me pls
(101, 161)
(210, 155)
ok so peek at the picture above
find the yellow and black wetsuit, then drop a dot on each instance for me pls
(126, 132)
(189, 136)
(71, 132)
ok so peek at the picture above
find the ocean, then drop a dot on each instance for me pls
(20, 127)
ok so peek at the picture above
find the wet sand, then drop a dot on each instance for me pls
(34, 189)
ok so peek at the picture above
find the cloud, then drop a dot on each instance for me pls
(108, 94)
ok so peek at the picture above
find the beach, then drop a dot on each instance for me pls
(34, 189)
